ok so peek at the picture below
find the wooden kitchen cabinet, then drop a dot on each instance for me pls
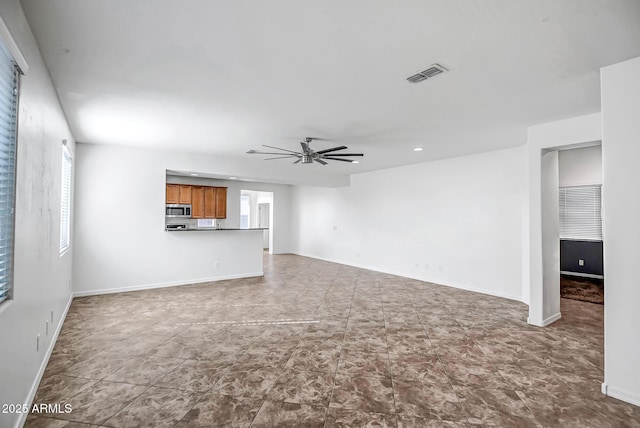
(178, 194)
(221, 202)
(197, 202)
(210, 202)
(206, 201)
(173, 194)
(184, 195)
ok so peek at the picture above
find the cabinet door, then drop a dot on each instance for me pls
(173, 191)
(221, 202)
(185, 195)
(209, 202)
(197, 202)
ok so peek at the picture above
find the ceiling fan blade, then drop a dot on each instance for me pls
(320, 161)
(305, 147)
(298, 161)
(282, 157)
(278, 148)
(331, 150)
(256, 152)
(338, 159)
(345, 154)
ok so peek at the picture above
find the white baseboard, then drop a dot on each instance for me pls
(584, 275)
(36, 383)
(629, 397)
(545, 322)
(408, 275)
(165, 284)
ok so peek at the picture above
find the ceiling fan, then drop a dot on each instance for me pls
(308, 155)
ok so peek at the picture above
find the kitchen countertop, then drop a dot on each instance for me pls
(211, 229)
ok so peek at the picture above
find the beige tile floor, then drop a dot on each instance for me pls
(320, 344)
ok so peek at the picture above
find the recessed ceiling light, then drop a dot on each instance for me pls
(193, 174)
(418, 149)
(355, 161)
(232, 178)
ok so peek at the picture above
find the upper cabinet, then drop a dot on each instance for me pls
(173, 193)
(208, 202)
(221, 202)
(184, 195)
(197, 202)
(178, 194)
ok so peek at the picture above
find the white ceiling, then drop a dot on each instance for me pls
(223, 77)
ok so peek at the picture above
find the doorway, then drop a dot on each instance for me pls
(580, 215)
(545, 270)
(256, 211)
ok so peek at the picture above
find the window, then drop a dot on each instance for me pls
(581, 212)
(8, 128)
(65, 202)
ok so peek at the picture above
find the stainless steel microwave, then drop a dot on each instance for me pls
(177, 210)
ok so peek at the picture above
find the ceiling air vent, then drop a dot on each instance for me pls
(430, 72)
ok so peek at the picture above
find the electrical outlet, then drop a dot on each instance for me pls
(335, 227)
(580, 262)
(216, 264)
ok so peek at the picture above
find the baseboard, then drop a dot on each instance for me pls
(626, 396)
(583, 275)
(408, 275)
(545, 322)
(34, 387)
(164, 284)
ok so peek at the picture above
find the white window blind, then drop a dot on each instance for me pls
(65, 203)
(581, 212)
(8, 124)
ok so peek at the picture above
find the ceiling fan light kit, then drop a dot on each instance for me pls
(308, 155)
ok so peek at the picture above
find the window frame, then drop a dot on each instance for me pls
(65, 199)
(13, 146)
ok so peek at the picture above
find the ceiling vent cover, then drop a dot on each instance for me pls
(430, 72)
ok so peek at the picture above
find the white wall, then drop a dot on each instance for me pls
(41, 280)
(550, 236)
(540, 244)
(456, 222)
(621, 152)
(580, 167)
(116, 251)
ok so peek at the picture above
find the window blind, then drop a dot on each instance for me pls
(65, 202)
(581, 212)
(8, 124)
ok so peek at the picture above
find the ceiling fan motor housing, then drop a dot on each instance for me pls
(307, 158)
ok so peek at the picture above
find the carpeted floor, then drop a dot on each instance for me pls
(583, 289)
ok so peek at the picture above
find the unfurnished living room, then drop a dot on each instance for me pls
(362, 213)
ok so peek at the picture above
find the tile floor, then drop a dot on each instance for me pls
(321, 344)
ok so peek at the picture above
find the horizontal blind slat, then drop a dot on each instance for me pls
(581, 212)
(8, 119)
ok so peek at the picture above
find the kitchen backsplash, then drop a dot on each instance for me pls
(193, 222)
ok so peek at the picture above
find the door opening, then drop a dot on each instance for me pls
(257, 212)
